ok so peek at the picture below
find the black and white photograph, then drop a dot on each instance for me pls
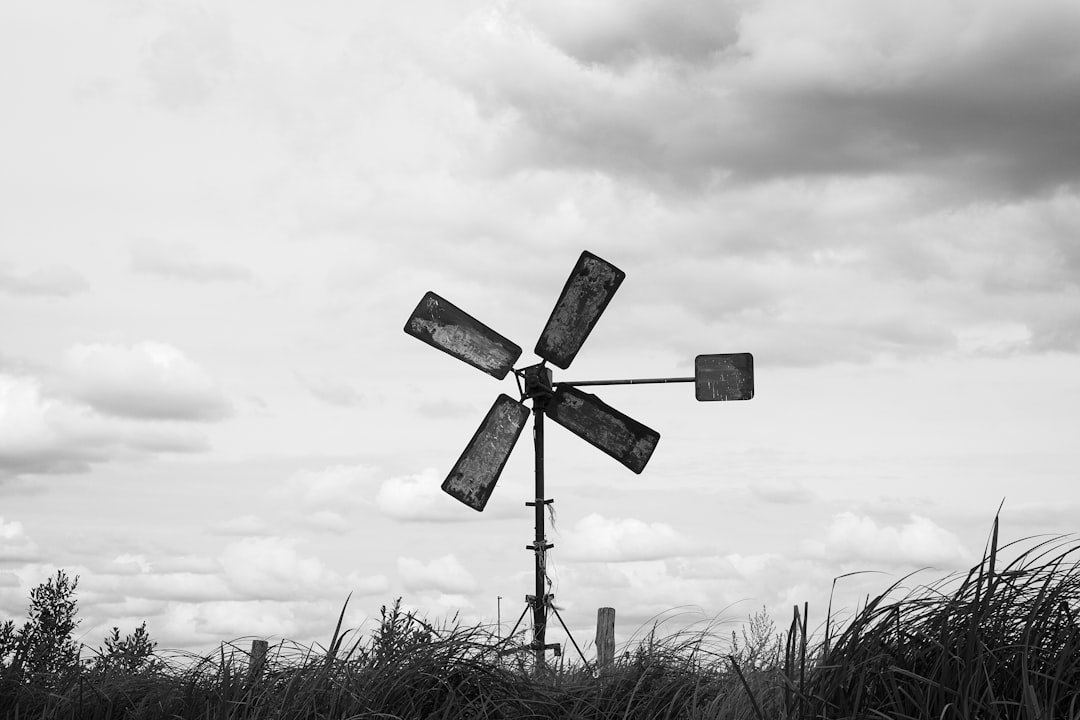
(640, 359)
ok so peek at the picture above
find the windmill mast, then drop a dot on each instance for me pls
(538, 388)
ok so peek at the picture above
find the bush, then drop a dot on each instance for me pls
(43, 646)
(131, 654)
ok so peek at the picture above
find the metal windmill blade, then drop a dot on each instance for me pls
(596, 422)
(587, 292)
(446, 327)
(477, 470)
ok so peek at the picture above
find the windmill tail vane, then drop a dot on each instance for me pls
(588, 291)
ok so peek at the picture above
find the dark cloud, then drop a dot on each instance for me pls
(66, 450)
(49, 281)
(1058, 331)
(992, 112)
(619, 32)
(92, 412)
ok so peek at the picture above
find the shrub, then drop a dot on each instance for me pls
(43, 646)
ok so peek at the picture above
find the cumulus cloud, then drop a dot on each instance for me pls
(44, 434)
(147, 380)
(15, 545)
(852, 538)
(179, 587)
(128, 564)
(595, 538)
(275, 568)
(49, 280)
(234, 619)
(445, 574)
(331, 488)
(417, 498)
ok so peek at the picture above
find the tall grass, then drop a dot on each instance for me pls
(996, 642)
(1000, 641)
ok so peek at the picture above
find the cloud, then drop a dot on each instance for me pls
(619, 33)
(44, 434)
(242, 525)
(781, 492)
(235, 619)
(331, 488)
(128, 564)
(15, 545)
(48, 281)
(190, 58)
(184, 262)
(274, 568)
(446, 408)
(854, 538)
(445, 574)
(418, 498)
(976, 92)
(327, 521)
(144, 381)
(595, 538)
(332, 391)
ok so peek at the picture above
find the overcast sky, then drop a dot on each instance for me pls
(215, 220)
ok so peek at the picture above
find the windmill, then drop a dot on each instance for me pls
(584, 297)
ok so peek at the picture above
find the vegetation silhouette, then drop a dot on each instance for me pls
(999, 641)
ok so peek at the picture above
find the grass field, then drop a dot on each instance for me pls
(1000, 641)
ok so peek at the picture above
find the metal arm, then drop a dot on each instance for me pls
(636, 381)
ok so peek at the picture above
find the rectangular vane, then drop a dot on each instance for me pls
(478, 469)
(724, 377)
(593, 420)
(444, 326)
(587, 292)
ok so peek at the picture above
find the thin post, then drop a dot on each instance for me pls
(605, 638)
(540, 541)
(257, 660)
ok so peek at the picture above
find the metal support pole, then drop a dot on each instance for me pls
(540, 541)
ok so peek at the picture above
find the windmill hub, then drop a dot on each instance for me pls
(537, 382)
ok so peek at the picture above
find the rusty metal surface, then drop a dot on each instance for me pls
(444, 326)
(587, 292)
(724, 377)
(478, 469)
(593, 420)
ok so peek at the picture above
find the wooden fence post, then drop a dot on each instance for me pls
(605, 638)
(257, 659)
